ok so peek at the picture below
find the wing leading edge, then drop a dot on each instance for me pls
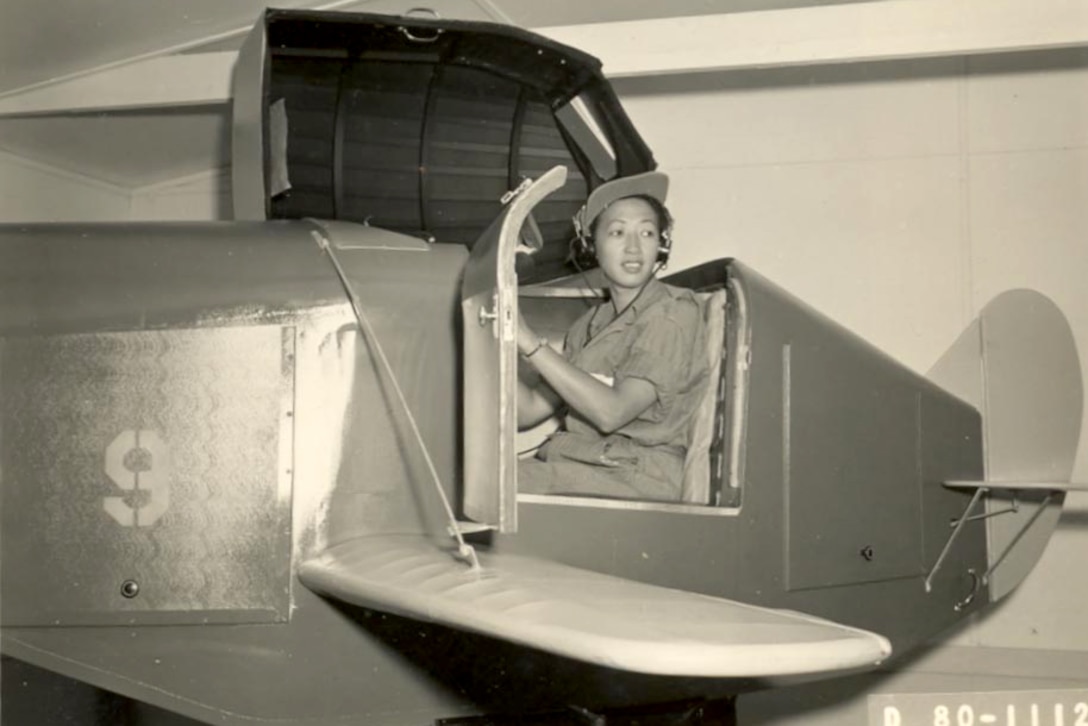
(596, 618)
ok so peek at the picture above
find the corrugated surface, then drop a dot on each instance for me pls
(416, 147)
(146, 457)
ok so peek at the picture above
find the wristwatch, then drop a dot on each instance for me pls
(540, 343)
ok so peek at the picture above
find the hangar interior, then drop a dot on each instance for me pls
(894, 163)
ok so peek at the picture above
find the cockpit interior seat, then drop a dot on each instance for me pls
(698, 466)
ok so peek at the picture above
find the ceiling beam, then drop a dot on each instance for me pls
(852, 32)
(195, 79)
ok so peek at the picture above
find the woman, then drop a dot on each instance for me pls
(633, 368)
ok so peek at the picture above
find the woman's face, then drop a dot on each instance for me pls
(627, 240)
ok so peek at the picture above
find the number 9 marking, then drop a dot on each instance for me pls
(138, 460)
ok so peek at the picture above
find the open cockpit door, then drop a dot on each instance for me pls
(489, 306)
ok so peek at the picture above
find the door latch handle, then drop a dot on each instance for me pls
(486, 316)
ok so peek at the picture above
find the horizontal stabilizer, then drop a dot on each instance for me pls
(588, 616)
(1036, 486)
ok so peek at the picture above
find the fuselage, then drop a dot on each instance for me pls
(190, 411)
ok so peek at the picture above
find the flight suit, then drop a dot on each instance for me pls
(660, 337)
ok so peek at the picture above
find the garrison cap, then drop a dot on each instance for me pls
(653, 184)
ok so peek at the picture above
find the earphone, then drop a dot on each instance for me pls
(583, 253)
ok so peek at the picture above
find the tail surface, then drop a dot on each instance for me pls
(1018, 365)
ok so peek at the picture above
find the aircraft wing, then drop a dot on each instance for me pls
(600, 619)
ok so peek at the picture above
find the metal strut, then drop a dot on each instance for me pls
(1012, 542)
(955, 533)
(968, 517)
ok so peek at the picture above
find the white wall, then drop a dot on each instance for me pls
(899, 198)
(200, 197)
(1028, 154)
(31, 192)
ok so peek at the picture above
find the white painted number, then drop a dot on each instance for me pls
(137, 461)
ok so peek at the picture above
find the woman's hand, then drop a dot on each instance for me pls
(607, 407)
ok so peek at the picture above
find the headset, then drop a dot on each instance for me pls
(583, 254)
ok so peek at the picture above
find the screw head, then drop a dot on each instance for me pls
(130, 589)
(867, 553)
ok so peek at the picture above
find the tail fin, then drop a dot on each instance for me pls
(1017, 364)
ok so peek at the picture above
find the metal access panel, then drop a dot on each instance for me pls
(150, 472)
(852, 448)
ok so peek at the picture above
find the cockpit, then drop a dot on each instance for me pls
(709, 478)
(429, 129)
